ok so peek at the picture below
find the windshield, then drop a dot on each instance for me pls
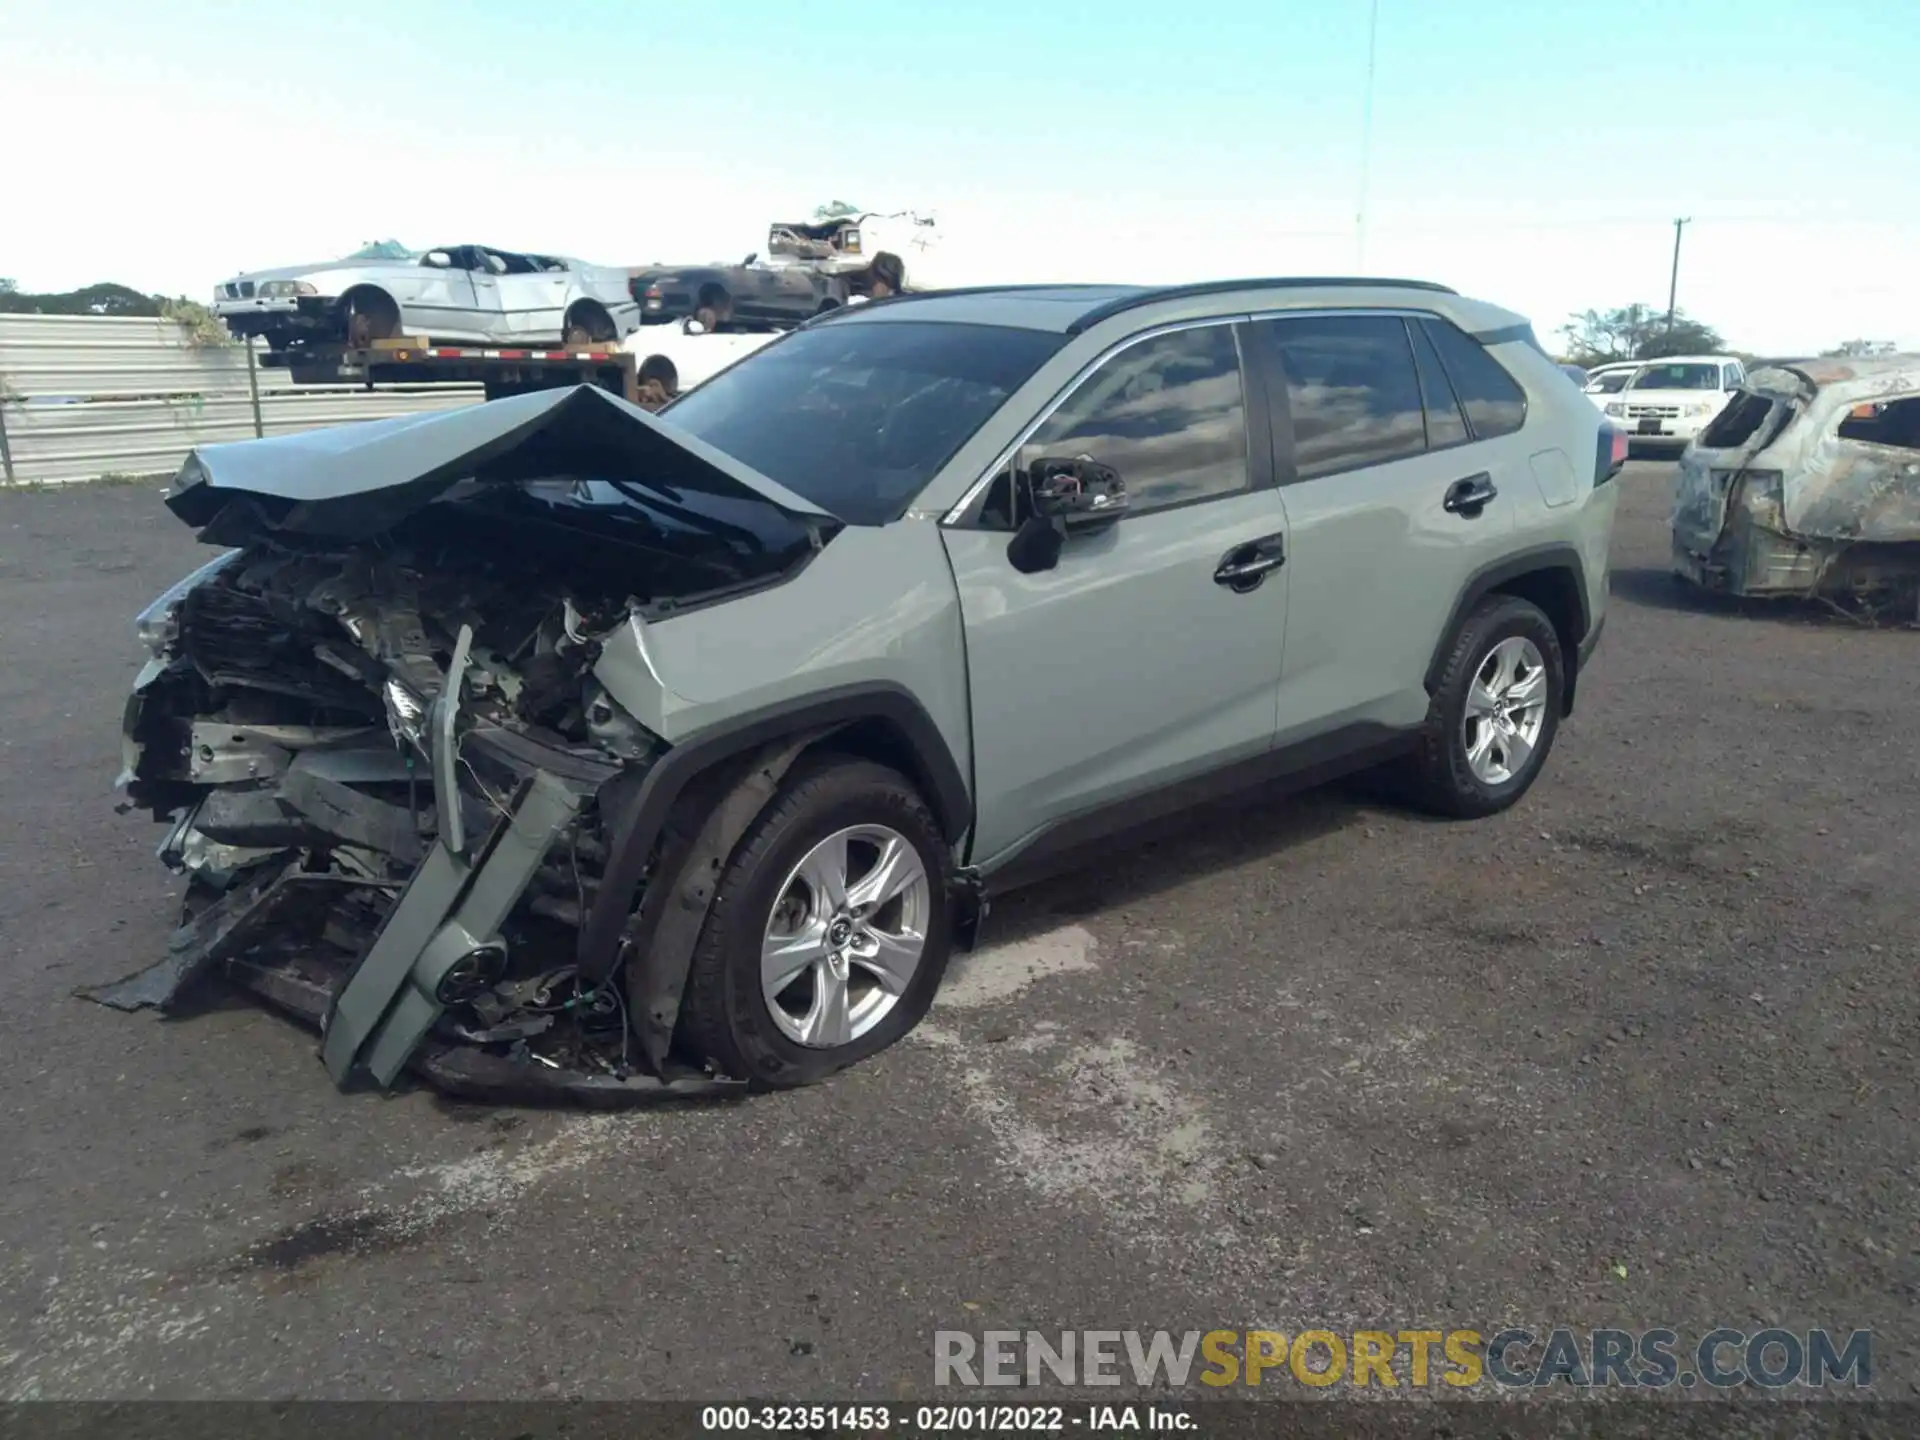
(1676, 377)
(857, 416)
(1613, 382)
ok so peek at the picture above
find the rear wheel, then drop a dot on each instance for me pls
(829, 932)
(586, 326)
(1494, 713)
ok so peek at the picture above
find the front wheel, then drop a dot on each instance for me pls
(829, 932)
(1494, 713)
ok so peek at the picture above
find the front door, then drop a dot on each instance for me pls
(1133, 662)
(441, 303)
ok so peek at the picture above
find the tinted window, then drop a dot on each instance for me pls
(1352, 390)
(1168, 414)
(1676, 377)
(859, 416)
(1445, 424)
(1613, 384)
(1494, 402)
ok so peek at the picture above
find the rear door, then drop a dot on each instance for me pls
(1399, 485)
(1134, 661)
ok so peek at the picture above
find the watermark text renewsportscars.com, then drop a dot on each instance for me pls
(1513, 1358)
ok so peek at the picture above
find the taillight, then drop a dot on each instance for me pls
(1611, 456)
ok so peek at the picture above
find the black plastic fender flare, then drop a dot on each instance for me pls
(1488, 578)
(745, 759)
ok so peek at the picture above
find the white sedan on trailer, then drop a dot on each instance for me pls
(461, 293)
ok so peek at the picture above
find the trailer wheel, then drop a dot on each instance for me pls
(371, 316)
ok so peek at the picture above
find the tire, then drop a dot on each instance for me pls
(370, 317)
(1443, 776)
(584, 327)
(727, 1019)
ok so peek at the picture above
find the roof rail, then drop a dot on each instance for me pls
(1222, 287)
(826, 315)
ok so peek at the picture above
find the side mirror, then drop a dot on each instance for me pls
(1080, 493)
(439, 259)
(751, 258)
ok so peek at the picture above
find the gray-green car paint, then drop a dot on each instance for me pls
(1053, 707)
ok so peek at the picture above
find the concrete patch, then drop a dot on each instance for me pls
(1002, 971)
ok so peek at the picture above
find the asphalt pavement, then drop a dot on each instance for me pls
(1639, 1052)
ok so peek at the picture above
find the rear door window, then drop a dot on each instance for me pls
(1493, 400)
(1352, 390)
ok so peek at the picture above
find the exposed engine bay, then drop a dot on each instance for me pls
(393, 782)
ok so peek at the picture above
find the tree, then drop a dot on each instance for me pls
(834, 210)
(1861, 349)
(7, 287)
(1636, 332)
(102, 299)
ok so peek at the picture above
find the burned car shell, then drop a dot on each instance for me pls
(672, 686)
(1807, 484)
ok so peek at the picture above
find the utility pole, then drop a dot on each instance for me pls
(1673, 281)
(1366, 147)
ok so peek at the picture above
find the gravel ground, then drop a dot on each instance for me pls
(1639, 1053)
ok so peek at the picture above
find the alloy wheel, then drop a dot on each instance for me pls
(1506, 710)
(846, 936)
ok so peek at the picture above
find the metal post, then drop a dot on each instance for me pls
(1673, 282)
(6, 450)
(1366, 147)
(253, 393)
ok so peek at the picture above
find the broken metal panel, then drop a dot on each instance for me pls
(222, 754)
(223, 930)
(363, 1002)
(1850, 490)
(447, 913)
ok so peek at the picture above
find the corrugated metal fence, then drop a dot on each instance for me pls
(83, 396)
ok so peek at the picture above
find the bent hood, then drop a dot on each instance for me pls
(354, 481)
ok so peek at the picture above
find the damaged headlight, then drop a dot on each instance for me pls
(158, 626)
(406, 714)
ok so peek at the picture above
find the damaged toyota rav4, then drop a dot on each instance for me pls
(552, 747)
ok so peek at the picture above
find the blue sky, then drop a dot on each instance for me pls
(1531, 154)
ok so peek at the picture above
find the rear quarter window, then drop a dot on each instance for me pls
(1884, 422)
(1495, 404)
(1738, 423)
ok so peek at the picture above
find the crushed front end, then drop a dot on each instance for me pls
(392, 781)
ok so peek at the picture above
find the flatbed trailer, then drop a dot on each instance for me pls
(501, 370)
